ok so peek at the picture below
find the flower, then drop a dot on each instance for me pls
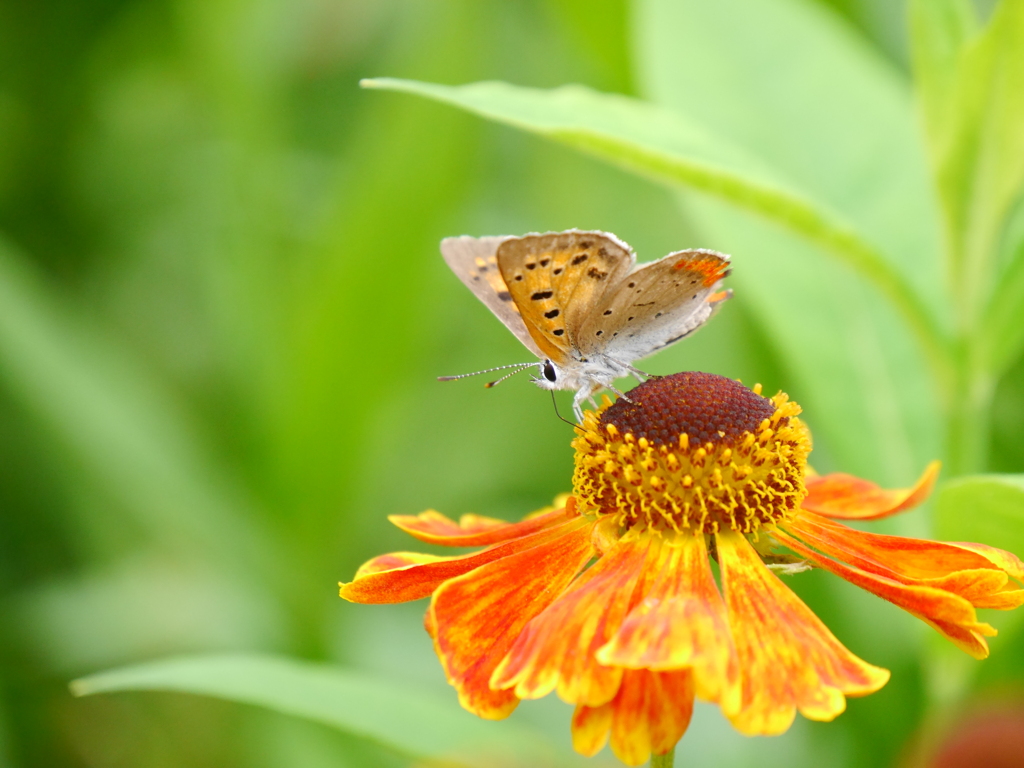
(610, 599)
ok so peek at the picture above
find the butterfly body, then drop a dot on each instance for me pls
(579, 302)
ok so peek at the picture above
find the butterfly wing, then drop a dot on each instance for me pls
(556, 278)
(656, 305)
(474, 262)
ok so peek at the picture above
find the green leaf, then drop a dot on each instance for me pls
(415, 723)
(979, 154)
(791, 84)
(666, 147)
(987, 509)
(939, 32)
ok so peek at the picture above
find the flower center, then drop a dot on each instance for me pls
(693, 451)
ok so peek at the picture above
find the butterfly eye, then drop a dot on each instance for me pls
(549, 371)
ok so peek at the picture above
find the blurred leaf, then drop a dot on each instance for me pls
(1006, 452)
(939, 30)
(791, 84)
(141, 608)
(118, 423)
(794, 85)
(418, 724)
(666, 147)
(600, 28)
(987, 509)
(1003, 327)
(979, 150)
(882, 22)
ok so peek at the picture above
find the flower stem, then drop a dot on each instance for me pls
(666, 760)
(968, 419)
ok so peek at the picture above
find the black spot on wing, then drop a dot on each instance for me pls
(597, 274)
(539, 295)
(558, 331)
(552, 313)
(580, 259)
(607, 312)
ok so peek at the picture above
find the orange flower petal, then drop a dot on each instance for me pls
(590, 728)
(789, 659)
(474, 530)
(1000, 558)
(847, 497)
(983, 588)
(969, 639)
(557, 648)
(476, 617)
(680, 621)
(649, 714)
(395, 560)
(885, 555)
(952, 567)
(938, 607)
(403, 576)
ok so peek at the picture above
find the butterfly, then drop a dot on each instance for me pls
(579, 302)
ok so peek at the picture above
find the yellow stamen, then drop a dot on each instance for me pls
(634, 461)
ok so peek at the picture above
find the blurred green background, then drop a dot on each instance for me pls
(222, 312)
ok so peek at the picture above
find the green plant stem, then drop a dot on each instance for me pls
(666, 760)
(968, 416)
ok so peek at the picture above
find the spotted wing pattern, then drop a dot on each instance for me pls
(655, 305)
(556, 278)
(474, 261)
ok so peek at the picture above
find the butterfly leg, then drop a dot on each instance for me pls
(586, 392)
(639, 375)
(577, 408)
(621, 394)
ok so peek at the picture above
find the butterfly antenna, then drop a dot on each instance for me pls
(496, 382)
(520, 366)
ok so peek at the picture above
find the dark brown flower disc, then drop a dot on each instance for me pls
(704, 406)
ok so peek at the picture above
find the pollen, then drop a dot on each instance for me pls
(692, 452)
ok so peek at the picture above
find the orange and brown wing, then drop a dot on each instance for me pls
(556, 279)
(657, 304)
